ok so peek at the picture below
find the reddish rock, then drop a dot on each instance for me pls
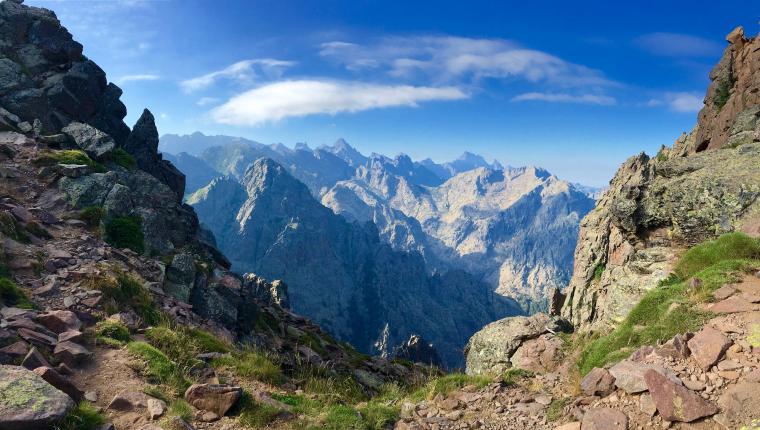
(71, 336)
(34, 360)
(71, 353)
(733, 304)
(217, 398)
(675, 402)
(629, 375)
(604, 419)
(740, 404)
(708, 346)
(598, 382)
(37, 338)
(60, 321)
(59, 381)
(14, 352)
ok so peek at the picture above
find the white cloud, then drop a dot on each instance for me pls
(279, 100)
(204, 101)
(242, 71)
(140, 77)
(678, 102)
(677, 45)
(593, 99)
(449, 59)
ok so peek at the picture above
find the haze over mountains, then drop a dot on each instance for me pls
(399, 238)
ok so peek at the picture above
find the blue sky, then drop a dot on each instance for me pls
(575, 87)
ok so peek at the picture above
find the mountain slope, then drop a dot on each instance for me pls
(340, 273)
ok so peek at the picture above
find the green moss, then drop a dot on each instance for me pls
(11, 295)
(448, 383)
(123, 159)
(158, 367)
(253, 364)
(731, 246)
(84, 416)
(68, 156)
(92, 215)
(125, 232)
(23, 394)
(112, 330)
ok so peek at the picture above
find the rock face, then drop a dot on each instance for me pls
(417, 350)
(276, 229)
(494, 349)
(513, 227)
(28, 402)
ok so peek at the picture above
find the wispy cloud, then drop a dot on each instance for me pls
(205, 101)
(298, 98)
(139, 77)
(242, 72)
(684, 102)
(451, 59)
(677, 45)
(592, 99)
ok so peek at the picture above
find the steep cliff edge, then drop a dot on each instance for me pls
(705, 185)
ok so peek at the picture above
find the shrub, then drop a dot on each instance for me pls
(123, 159)
(251, 363)
(722, 93)
(122, 291)
(730, 246)
(158, 368)
(109, 331)
(92, 215)
(125, 232)
(84, 416)
(68, 156)
(11, 295)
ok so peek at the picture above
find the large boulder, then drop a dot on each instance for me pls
(216, 398)
(94, 142)
(674, 401)
(492, 348)
(28, 402)
(629, 375)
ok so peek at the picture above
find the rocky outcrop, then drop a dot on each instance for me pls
(28, 402)
(417, 350)
(528, 343)
(338, 273)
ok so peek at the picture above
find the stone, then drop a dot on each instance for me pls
(675, 402)
(34, 360)
(417, 350)
(217, 398)
(676, 348)
(540, 355)
(156, 408)
(94, 142)
(732, 305)
(37, 338)
(60, 321)
(646, 404)
(736, 35)
(598, 382)
(127, 400)
(13, 352)
(629, 375)
(60, 382)
(707, 347)
(71, 336)
(739, 405)
(604, 419)
(28, 402)
(575, 425)
(71, 353)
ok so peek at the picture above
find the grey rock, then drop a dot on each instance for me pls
(94, 142)
(28, 402)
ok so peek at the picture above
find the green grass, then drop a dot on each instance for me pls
(12, 229)
(92, 216)
(730, 246)
(122, 291)
(84, 416)
(123, 159)
(158, 393)
(11, 295)
(68, 156)
(252, 414)
(556, 410)
(251, 363)
(112, 333)
(448, 383)
(511, 376)
(598, 272)
(180, 408)
(125, 232)
(672, 307)
(159, 369)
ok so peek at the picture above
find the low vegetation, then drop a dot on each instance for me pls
(12, 295)
(722, 92)
(251, 363)
(68, 156)
(673, 307)
(112, 333)
(448, 383)
(92, 216)
(84, 416)
(121, 292)
(11, 228)
(125, 232)
(158, 368)
(123, 159)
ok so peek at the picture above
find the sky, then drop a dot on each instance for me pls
(575, 87)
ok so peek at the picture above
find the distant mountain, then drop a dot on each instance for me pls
(513, 228)
(341, 273)
(197, 172)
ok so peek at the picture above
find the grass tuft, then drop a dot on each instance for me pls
(122, 291)
(123, 159)
(92, 215)
(84, 416)
(11, 295)
(125, 232)
(112, 333)
(68, 156)
(448, 383)
(251, 363)
(159, 369)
